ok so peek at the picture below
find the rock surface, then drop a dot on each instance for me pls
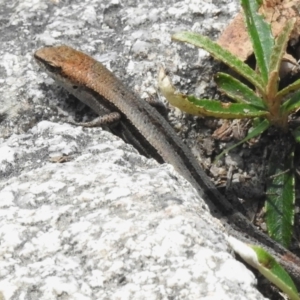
(106, 224)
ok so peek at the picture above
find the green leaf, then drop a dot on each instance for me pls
(275, 62)
(221, 54)
(204, 107)
(289, 89)
(238, 91)
(280, 46)
(260, 35)
(218, 109)
(280, 194)
(266, 264)
(259, 129)
(275, 273)
(174, 97)
(291, 104)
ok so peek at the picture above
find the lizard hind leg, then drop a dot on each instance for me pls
(110, 120)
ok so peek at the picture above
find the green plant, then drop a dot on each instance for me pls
(265, 263)
(265, 104)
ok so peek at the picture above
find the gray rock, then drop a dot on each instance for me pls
(106, 224)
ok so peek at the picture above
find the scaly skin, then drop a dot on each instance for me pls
(142, 125)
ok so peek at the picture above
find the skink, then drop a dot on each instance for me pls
(140, 123)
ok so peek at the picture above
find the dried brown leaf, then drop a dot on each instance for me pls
(277, 12)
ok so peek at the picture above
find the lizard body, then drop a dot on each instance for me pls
(140, 123)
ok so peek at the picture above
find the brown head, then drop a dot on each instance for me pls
(65, 62)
